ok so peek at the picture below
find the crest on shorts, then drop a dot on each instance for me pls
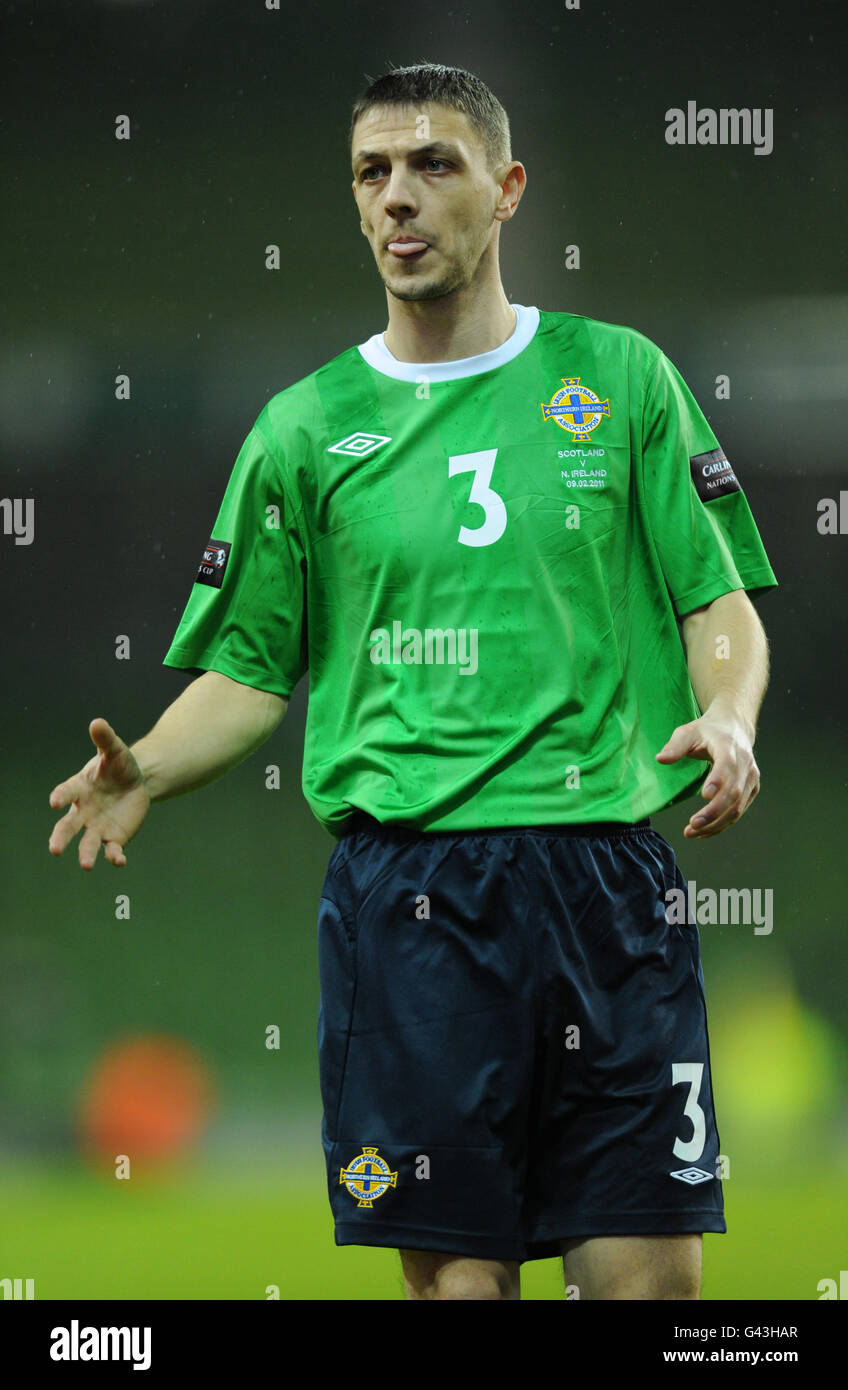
(367, 1177)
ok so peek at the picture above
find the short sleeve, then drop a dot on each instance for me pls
(246, 614)
(703, 530)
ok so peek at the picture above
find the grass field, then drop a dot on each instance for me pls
(218, 1237)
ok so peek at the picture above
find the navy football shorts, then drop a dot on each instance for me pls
(512, 1041)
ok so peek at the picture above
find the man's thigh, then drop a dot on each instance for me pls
(656, 1267)
(430, 1274)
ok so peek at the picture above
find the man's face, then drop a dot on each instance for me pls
(420, 173)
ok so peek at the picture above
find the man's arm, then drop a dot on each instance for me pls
(211, 727)
(727, 653)
(214, 724)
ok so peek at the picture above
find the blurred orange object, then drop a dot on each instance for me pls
(148, 1097)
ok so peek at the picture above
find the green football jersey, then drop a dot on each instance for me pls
(481, 564)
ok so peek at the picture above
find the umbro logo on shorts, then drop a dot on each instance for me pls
(692, 1175)
(359, 444)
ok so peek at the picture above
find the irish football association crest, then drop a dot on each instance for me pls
(577, 409)
(367, 1177)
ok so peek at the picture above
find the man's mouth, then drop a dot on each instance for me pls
(406, 247)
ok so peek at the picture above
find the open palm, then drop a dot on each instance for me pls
(108, 800)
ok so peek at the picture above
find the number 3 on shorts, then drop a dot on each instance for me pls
(692, 1072)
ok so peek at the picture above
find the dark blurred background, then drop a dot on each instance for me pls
(147, 256)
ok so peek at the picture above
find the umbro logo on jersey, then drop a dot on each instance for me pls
(359, 444)
(692, 1175)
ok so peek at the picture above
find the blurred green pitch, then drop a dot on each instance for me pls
(212, 1236)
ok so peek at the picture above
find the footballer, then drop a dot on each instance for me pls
(506, 548)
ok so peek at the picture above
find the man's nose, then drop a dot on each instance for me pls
(399, 192)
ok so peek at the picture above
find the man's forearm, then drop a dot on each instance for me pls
(211, 727)
(727, 653)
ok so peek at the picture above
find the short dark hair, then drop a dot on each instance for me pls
(453, 87)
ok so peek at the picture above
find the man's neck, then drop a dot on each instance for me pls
(450, 328)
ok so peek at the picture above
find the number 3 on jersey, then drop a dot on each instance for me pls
(493, 524)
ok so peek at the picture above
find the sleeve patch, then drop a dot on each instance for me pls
(712, 475)
(211, 568)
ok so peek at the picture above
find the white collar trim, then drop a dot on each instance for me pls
(377, 355)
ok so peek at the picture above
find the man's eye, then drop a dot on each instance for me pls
(377, 168)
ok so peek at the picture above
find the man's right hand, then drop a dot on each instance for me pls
(109, 800)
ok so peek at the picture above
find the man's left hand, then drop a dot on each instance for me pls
(734, 779)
